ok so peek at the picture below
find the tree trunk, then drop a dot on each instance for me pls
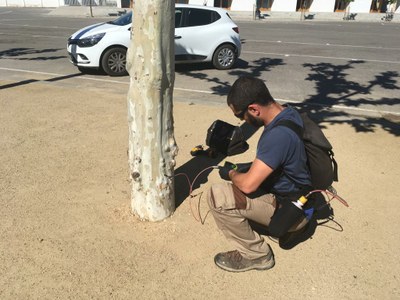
(152, 146)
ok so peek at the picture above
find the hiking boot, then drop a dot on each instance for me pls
(233, 261)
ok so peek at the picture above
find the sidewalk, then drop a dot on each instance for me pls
(84, 11)
(310, 17)
(67, 231)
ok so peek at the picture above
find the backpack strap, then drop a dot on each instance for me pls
(303, 189)
(300, 133)
(335, 166)
(292, 125)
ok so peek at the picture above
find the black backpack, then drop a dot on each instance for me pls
(321, 161)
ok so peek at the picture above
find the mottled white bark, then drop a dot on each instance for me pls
(152, 146)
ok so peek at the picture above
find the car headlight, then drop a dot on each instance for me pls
(90, 40)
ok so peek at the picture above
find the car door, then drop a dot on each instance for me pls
(195, 33)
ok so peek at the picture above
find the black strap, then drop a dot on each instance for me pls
(303, 189)
(299, 131)
(335, 166)
(292, 125)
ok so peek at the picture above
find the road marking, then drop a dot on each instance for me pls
(365, 110)
(32, 26)
(35, 35)
(326, 44)
(324, 57)
(194, 91)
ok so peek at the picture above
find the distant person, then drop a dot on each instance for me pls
(258, 13)
(260, 191)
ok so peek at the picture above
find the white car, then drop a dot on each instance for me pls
(202, 34)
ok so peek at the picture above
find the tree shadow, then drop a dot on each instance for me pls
(198, 169)
(28, 81)
(198, 164)
(15, 53)
(44, 58)
(242, 68)
(93, 71)
(258, 66)
(332, 89)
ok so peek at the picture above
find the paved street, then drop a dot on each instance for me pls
(353, 67)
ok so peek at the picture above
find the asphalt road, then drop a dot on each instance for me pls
(352, 67)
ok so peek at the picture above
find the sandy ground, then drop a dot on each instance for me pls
(67, 231)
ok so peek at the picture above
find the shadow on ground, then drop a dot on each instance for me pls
(331, 88)
(200, 166)
(16, 53)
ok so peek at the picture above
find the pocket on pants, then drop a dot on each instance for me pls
(226, 196)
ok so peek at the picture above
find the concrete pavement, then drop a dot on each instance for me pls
(84, 11)
(68, 232)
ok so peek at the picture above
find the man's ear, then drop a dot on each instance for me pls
(254, 109)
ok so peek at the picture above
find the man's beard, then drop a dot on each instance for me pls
(255, 122)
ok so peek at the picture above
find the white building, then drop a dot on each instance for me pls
(357, 6)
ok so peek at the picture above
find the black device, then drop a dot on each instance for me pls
(226, 138)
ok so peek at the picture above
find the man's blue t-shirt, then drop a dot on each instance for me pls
(281, 147)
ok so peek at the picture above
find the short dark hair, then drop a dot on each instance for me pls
(248, 90)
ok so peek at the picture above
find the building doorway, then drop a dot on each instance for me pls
(264, 5)
(303, 5)
(379, 6)
(341, 5)
(223, 3)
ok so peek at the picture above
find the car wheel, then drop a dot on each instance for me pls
(114, 61)
(224, 57)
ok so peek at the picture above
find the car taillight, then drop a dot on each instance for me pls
(235, 29)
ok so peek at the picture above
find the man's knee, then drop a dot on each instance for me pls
(220, 196)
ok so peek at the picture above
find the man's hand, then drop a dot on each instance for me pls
(250, 181)
(224, 171)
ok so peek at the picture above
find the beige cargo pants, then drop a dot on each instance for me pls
(232, 211)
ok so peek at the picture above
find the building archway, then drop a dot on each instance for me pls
(303, 5)
(264, 5)
(379, 6)
(223, 3)
(341, 5)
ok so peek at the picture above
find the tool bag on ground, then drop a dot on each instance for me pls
(226, 138)
(321, 161)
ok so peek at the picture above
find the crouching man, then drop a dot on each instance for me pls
(262, 192)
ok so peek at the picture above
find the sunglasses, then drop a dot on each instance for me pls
(240, 115)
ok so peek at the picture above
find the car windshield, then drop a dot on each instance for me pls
(122, 20)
